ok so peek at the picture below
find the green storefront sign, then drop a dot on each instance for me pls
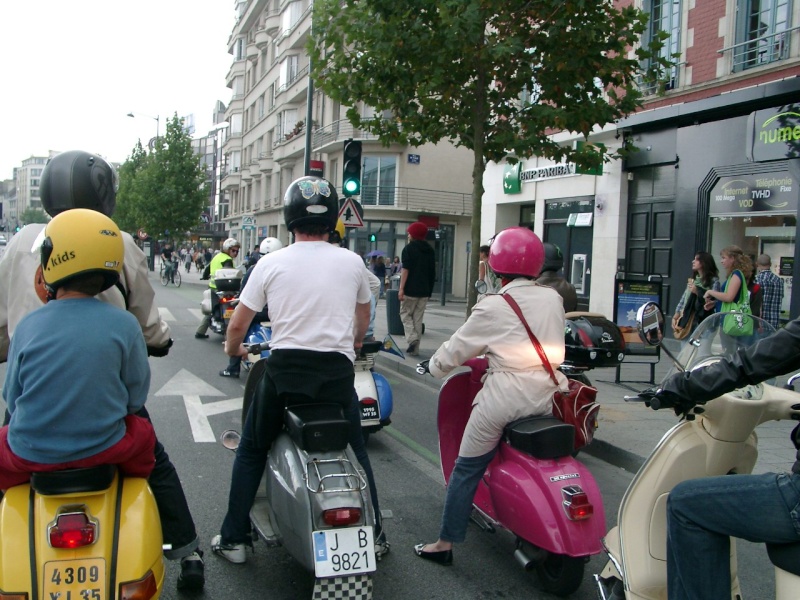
(774, 134)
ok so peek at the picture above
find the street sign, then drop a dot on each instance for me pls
(141, 234)
(352, 213)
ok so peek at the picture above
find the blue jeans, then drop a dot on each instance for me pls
(702, 515)
(251, 460)
(467, 474)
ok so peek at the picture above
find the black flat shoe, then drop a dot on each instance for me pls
(226, 373)
(201, 336)
(444, 557)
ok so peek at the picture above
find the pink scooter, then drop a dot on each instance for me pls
(533, 487)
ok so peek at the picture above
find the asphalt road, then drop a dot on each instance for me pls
(191, 405)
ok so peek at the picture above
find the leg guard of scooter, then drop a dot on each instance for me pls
(357, 587)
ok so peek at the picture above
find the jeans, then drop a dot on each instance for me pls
(249, 465)
(467, 474)
(702, 515)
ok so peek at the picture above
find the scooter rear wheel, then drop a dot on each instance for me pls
(560, 574)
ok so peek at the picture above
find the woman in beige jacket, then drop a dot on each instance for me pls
(516, 384)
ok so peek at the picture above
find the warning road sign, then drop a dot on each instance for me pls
(352, 213)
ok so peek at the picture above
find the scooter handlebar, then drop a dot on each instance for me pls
(257, 348)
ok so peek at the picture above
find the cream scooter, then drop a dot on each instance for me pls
(717, 438)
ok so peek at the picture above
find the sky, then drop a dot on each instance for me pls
(73, 69)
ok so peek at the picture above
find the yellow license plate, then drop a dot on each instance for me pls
(82, 579)
(228, 313)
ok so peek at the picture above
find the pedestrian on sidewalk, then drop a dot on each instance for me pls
(417, 277)
(773, 291)
(515, 386)
(486, 274)
(553, 264)
(690, 309)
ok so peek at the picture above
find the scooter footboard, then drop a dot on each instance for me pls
(532, 499)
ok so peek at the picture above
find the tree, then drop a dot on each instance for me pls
(162, 191)
(33, 215)
(493, 76)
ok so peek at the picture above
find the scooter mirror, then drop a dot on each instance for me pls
(230, 439)
(480, 286)
(650, 322)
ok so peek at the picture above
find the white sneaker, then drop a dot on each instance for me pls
(235, 553)
(382, 547)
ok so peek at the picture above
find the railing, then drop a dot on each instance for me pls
(671, 82)
(416, 200)
(336, 131)
(761, 50)
(295, 77)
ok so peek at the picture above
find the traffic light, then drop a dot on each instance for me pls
(373, 237)
(351, 168)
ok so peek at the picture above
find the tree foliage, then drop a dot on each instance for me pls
(494, 76)
(163, 190)
(33, 215)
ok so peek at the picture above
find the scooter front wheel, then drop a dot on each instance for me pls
(560, 574)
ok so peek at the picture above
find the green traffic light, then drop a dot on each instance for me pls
(351, 186)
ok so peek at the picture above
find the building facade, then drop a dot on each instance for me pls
(268, 137)
(27, 178)
(718, 161)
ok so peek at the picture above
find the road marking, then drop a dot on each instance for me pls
(414, 454)
(190, 387)
(196, 312)
(165, 314)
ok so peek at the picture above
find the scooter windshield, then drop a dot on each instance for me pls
(720, 335)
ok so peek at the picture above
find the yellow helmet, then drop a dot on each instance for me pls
(78, 242)
(340, 228)
(337, 235)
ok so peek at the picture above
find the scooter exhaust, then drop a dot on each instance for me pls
(529, 557)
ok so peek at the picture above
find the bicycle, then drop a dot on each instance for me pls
(173, 271)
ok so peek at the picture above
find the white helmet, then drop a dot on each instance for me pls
(230, 243)
(270, 244)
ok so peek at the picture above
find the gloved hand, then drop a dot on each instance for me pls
(422, 367)
(159, 352)
(666, 399)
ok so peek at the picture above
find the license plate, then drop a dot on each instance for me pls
(228, 313)
(369, 412)
(345, 551)
(83, 579)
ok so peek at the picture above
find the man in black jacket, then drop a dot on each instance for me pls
(553, 263)
(702, 514)
(416, 283)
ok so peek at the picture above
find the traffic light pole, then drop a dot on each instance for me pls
(309, 115)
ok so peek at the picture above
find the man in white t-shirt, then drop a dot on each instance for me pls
(319, 304)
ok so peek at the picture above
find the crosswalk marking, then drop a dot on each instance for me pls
(196, 312)
(165, 314)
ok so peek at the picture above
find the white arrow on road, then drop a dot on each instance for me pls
(191, 387)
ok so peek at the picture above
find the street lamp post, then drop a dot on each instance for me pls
(157, 119)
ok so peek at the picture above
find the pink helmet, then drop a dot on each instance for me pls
(516, 251)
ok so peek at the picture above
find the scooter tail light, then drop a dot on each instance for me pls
(141, 589)
(341, 517)
(368, 401)
(13, 595)
(576, 503)
(72, 530)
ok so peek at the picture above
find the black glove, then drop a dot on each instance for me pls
(159, 352)
(666, 399)
(422, 367)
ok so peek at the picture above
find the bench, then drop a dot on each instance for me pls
(648, 355)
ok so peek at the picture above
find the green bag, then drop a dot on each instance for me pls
(738, 322)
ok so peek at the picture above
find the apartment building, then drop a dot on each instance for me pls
(265, 148)
(27, 178)
(718, 161)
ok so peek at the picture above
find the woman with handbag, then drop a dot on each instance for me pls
(691, 311)
(734, 296)
(516, 385)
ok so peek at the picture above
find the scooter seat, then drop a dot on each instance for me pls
(785, 556)
(541, 437)
(318, 427)
(73, 481)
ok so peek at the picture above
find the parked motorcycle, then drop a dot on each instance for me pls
(80, 534)
(717, 438)
(316, 500)
(228, 282)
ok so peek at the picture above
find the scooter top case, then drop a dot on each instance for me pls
(85, 533)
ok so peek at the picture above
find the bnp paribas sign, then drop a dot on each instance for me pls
(774, 133)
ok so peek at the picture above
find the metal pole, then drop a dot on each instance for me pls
(309, 113)
(443, 241)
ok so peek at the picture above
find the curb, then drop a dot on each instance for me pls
(600, 449)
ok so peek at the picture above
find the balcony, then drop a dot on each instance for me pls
(287, 148)
(246, 176)
(416, 200)
(330, 137)
(265, 161)
(236, 70)
(235, 106)
(294, 90)
(231, 179)
(761, 50)
(262, 39)
(273, 22)
(252, 52)
(295, 37)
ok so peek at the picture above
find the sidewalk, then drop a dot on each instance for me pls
(628, 432)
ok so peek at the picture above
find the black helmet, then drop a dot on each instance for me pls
(592, 341)
(553, 259)
(310, 201)
(78, 179)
